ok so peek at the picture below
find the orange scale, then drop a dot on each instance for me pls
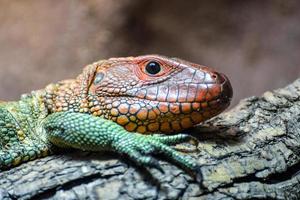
(186, 123)
(151, 114)
(174, 108)
(185, 107)
(176, 126)
(153, 127)
(141, 129)
(134, 108)
(122, 120)
(142, 114)
(196, 117)
(131, 126)
(165, 127)
(123, 108)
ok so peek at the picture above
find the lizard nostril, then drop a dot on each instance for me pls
(214, 76)
(218, 77)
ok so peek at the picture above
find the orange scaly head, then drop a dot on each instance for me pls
(145, 94)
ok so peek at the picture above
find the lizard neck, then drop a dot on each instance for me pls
(64, 96)
(70, 95)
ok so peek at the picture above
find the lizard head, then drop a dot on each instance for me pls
(150, 93)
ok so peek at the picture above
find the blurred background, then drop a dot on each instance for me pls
(256, 43)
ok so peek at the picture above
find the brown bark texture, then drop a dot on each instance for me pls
(249, 152)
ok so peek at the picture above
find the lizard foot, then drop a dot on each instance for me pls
(141, 148)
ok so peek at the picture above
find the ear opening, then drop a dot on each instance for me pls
(88, 76)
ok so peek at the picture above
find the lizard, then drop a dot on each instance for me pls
(135, 106)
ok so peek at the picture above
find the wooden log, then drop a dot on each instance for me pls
(249, 152)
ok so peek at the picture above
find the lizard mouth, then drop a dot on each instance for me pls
(199, 105)
(210, 95)
(187, 92)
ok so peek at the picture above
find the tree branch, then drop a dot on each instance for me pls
(252, 151)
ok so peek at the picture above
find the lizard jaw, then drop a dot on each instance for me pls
(147, 114)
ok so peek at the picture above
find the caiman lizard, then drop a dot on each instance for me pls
(115, 105)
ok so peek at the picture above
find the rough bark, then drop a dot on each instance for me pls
(251, 151)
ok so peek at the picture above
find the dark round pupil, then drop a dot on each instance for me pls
(153, 67)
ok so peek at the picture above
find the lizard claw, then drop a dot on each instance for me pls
(140, 149)
(179, 139)
(154, 163)
(198, 175)
(176, 139)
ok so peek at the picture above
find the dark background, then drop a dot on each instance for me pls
(256, 43)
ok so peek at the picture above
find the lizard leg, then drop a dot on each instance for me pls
(86, 132)
(15, 146)
(20, 153)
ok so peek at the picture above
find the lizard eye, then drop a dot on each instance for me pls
(153, 68)
(99, 77)
(148, 69)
